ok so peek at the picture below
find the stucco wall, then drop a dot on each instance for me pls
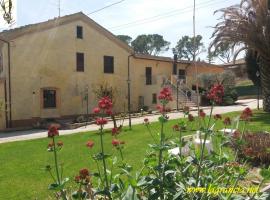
(48, 59)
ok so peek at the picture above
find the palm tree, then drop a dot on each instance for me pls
(248, 24)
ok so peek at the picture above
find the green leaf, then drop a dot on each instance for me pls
(162, 119)
(130, 194)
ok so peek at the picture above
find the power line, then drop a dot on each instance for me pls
(163, 15)
(95, 11)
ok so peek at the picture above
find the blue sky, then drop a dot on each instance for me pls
(178, 20)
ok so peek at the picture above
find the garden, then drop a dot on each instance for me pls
(136, 164)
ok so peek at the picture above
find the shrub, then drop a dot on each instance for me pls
(254, 147)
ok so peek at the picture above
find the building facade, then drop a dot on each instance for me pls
(48, 70)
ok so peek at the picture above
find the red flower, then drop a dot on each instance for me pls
(96, 110)
(227, 121)
(115, 131)
(176, 127)
(217, 117)
(202, 114)
(146, 120)
(105, 103)
(50, 145)
(77, 179)
(60, 143)
(236, 134)
(115, 142)
(90, 144)
(53, 131)
(84, 173)
(109, 112)
(216, 93)
(190, 118)
(246, 114)
(101, 121)
(165, 95)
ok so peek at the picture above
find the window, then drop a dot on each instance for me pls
(148, 75)
(49, 98)
(80, 62)
(80, 32)
(108, 64)
(154, 98)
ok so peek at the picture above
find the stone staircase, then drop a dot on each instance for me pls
(181, 92)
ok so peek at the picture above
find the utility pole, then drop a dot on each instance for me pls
(128, 84)
(194, 56)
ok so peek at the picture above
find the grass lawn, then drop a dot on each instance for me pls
(21, 168)
(246, 90)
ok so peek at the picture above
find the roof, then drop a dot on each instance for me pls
(169, 59)
(241, 61)
(31, 28)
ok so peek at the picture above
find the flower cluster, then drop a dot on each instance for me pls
(101, 121)
(117, 143)
(202, 113)
(216, 93)
(217, 117)
(246, 114)
(146, 121)
(84, 175)
(90, 144)
(165, 95)
(53, 131)
(115, 131)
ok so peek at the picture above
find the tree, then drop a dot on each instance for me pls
(152, 44)
(185, 48)
(252, 67)
(125, 38)
(248, 24)
(224, 52)
(105, 90)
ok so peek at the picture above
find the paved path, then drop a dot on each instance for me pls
(34, 134)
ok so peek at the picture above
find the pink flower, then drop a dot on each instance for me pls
(109, 112)
(90, 144)
(84, 173)
(246, 114)
(115, 142)
(53, 131)
(115, 131)
(101, 121)
(165, 95)
(146, 120)
(216, 93)
(202, 114)
(96, 110)
(105, 103)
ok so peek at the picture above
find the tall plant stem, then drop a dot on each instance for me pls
(56, 162)
(203, 146)
(57, 169)
(160, 156)
(103, 159)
